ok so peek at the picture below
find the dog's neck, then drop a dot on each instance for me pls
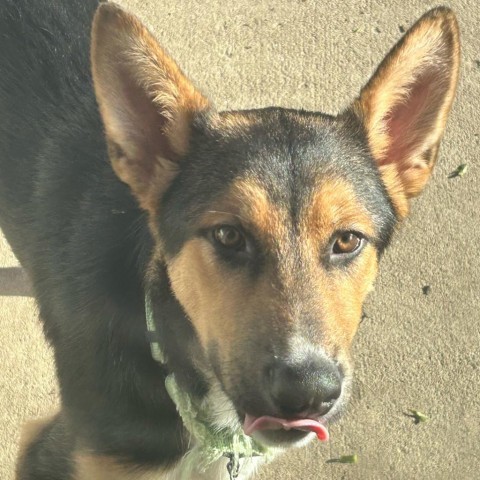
(171, 334)
(174, 345)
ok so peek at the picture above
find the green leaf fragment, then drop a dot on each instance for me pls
(348, 459)
(419, 416)
(459, 171)
(344, 459)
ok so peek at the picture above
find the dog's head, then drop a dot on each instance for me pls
(271, 222)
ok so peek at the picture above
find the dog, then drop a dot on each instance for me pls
(199, 274)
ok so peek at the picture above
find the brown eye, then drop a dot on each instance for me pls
(346, 242)
(229, 237)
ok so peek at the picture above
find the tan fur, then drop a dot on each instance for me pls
(431, 45)
(233, 123)
(257, 210)
(395, 189)
(247, 203)
(96, 467)
(162, 174)
(333, 208)
(145, 136)
(207, 303)
(341, 300)
(30, 432)
(210, 303)
(222, 304)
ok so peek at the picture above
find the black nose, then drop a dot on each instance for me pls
(309, 386)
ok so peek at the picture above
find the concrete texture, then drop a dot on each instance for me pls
(413, 350)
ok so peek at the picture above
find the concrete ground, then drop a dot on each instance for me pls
(414, 351)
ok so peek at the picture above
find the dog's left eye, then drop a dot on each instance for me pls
(229, 237)
(346, 243)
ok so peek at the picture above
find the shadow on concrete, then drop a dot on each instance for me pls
(14, 282)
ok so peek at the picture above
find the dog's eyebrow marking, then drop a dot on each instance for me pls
(255, 204)
(249, 202)
(227, 213)
(335, 206)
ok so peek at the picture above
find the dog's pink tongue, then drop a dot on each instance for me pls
(253, 424)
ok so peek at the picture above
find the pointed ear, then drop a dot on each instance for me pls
(146, 103)
(405, 104)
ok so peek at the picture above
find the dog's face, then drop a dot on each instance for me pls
(272, 254)
(271, 222)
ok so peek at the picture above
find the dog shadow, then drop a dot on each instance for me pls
(14, 282)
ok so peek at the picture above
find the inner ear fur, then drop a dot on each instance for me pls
(404, 106)
(146, 103)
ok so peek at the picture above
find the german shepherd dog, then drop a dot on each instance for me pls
(254, 235)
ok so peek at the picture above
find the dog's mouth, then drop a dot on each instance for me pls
(282, 430)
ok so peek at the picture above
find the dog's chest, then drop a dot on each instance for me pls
(186, 469)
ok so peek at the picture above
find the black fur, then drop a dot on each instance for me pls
(78, 232)
(50, 457)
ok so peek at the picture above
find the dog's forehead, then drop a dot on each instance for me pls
(288, 151)
(276, 167)
(292, 155)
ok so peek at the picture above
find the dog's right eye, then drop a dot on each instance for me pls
(229, 237)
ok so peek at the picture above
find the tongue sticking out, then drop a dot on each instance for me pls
(253, 424)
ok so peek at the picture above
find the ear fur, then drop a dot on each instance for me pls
(146, 103)
(404, 106)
